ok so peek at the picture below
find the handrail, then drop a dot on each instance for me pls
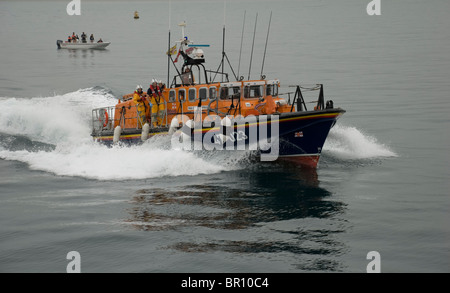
(298, 98)
(299, 101)
(103, 119)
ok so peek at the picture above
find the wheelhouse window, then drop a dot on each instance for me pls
(192, 95)
(203, 94)
(253, 91)
(181, 95)
(223, 93)
(172, 96)
(236, 92)
(272, 90)
(275, 90)
(228, 93)
(212, 93)
(269, 90)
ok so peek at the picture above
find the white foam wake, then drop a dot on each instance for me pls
(64, 121)
(54, 120)
(346, 142)
(90, 160)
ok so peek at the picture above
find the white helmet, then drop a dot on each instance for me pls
(138, 87)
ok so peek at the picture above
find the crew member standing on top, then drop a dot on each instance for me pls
(139, 100)
(157, 100)
(162, 86)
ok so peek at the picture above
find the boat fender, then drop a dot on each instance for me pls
(281, 103)
(226, 122)
(186, 131)
(174, 124)
(184, 137)
(145, 131)
(117, 132)
(190, 123)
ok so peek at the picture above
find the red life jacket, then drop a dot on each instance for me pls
(155, 92)
(141, 97)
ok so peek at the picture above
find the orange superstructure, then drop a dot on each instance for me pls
(256, 97)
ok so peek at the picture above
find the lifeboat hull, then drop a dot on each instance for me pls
(301, 135)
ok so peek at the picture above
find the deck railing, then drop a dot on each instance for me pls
(297, 101)
(104, 118)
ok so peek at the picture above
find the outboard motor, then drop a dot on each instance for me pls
(58, 43)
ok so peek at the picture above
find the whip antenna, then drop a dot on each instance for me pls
(251, 56)
(224, 11)
(265, 48)
(242, 39)
(168, 48)
(224, 55)
(223, 35)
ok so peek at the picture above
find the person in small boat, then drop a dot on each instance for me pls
(74, 38)
(156, 99)
(83, 37)
(69, 39)
(100, 40)
(91, 38)
(139, 100)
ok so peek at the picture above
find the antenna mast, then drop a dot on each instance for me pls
(251, 56)
(169, 57)
(265, 48)
(224, 55)
(223, 35)
(242, 39)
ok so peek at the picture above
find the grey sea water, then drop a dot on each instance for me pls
(381, 185)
